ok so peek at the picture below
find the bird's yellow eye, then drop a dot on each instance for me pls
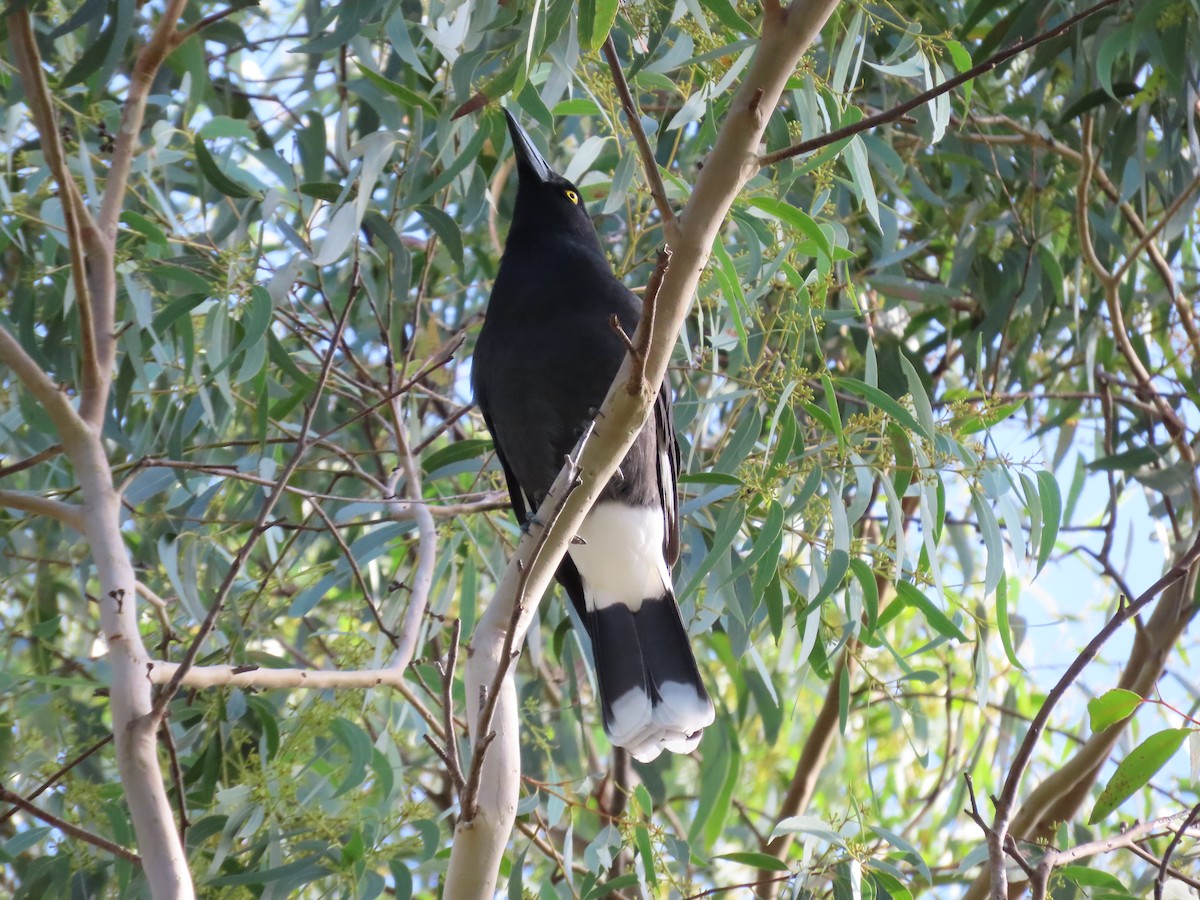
(572, 196)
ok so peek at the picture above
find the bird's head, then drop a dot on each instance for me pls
(546, 202)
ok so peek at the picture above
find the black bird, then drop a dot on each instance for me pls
(543, 363)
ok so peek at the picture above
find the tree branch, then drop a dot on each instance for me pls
(260, 525)
(479, 844)
(890, 115)
(422, 578)
(37, 459)
(76, 217)
(649, 164)
(263, 678)
(80, 834)
(1006, 800)
(1161, 878)
(67, 513)
(151, 58)
(58, 407)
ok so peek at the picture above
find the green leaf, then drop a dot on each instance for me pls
(731, 287)
(860, 177)
(908, 848)
(710, 478)
(1051, 513)
(1112, 707)
(402, 878)
(870, 589)
(727, 14)
(766, 541)
(646, 852)
(989, 417)
(728, 526)
(1136, 770)
(358, 744)
(1088, 877)
(774, 600)
(602, 23)
(818, 828)
(992, 540)
(940, 622)
(213, 175)
(576, 106)
(469, 448)
(1114, 45)
(609, 888)
(408, 98)
(835, 414)
(876, 397)
(717, 779)
(916, 388)
(797, 218)
(328, 191)
(959, 56)
(754, 860)
(1002, 623)
(446, 229)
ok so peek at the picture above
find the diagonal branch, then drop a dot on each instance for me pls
(69, 829)
(38, 383)
(649, 163)
(479, 844)
(897, 112)
(162, 41)
(261, 524)
(76, 217)
(422, 577)
(1007, 798)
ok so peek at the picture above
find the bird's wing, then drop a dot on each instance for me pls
(521, 505)
(668, 472)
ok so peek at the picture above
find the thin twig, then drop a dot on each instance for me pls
(182, 35)
(1146, 239)
(59, 773)
(1021, 759)
(7, 796)
(40, 457)
(176, 779)
(646, 324)
(454, 761)
(890, 115)
(1152, 858)
(712, 892)
(1161, 878)
(422, 577)
(488, 702)
(60, 409)
(75, 213)
(333, 532)
(657, 189)
(260, 524)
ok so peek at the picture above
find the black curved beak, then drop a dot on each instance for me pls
(530, 163)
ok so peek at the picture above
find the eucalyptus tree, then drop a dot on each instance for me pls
(924, 285)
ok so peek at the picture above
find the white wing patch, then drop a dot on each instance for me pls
(621, 560)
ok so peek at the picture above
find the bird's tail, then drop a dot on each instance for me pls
(651, 692)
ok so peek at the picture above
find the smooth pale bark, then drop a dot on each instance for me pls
(479, 842)
(134, 728)
(92, 251)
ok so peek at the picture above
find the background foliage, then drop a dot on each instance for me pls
(927, 363)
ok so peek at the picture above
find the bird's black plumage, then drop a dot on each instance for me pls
(544, 361)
